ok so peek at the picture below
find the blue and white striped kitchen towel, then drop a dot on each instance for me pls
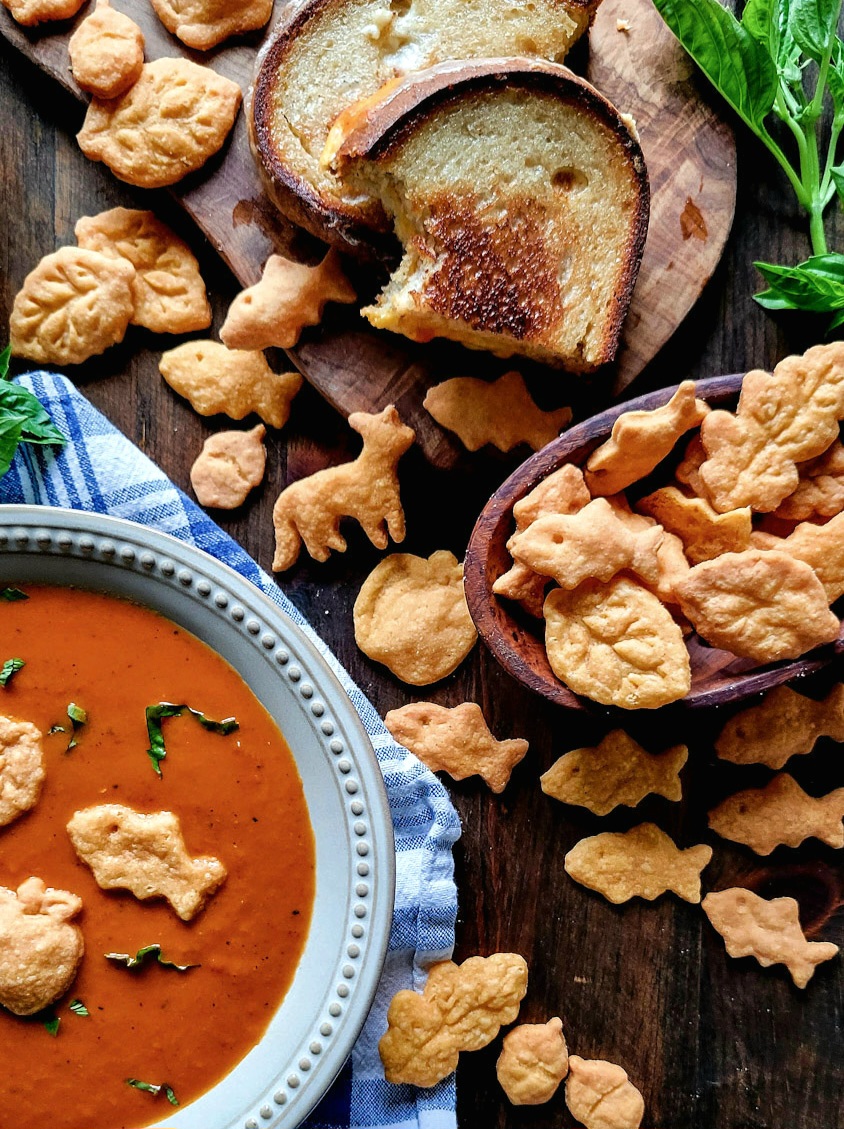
(101, 470)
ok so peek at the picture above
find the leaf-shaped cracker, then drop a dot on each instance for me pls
(168, 288)
(780, 814)
(600, 1095)
(74, 304)
(233, 381)
(593, 543)
(230, 464)
(640, 863)
(617, 771)
(411, 615)
(821, 547)
(617, 644)
(462, 1008)
(273, 312)
(501, 412)
(533, 1062)
(760, 605)
(782, 725)
(766, 929)
(704, 532)
(203, 24)
(176, 116)
(457, 741)
(820, 492)
(783, 418)
(640, 440)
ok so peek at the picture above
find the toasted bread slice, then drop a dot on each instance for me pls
(327, 54)
(521, 198)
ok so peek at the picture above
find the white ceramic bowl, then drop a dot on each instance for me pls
(311, 1035)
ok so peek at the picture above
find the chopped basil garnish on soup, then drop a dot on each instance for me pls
(51, 1025)
(156, 714)
(155, 1090)
(10, 669)
(140, 957)
(78, 1008)
(10, 595)
(78, 718)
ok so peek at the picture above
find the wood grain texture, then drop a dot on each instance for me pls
(713, 1043)
(358, 369)
(691, 157)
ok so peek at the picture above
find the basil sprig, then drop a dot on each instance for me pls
(140, 958)
(12, 595)
(779, 67)
(9, 669)
(22, 418)
(157, 750)
(154, 1089)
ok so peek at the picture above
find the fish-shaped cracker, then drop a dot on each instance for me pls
(501, 412)
(592, 543)
(784, 724)
(145, 854)
(780, 814)
(457, 741)
(640, 440)
(617, 771)
(768, 930)
(643, 862)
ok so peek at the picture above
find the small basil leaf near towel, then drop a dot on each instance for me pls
(760, 65)
(100, 470)
(22, 418)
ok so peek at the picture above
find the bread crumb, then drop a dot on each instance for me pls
(623, 25)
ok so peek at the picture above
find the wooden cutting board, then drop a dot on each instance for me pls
(632, 58)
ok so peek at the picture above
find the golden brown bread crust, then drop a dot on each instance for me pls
(515, 305)
(294, 194)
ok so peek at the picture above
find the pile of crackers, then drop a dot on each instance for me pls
(744, 546)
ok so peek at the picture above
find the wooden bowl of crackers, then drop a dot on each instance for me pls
(782, 557)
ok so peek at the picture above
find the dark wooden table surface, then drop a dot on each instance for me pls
(713, 1043)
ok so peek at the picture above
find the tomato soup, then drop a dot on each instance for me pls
(238, 797)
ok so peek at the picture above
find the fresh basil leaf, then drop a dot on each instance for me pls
(815, 286)
(78, 1008)
(11, 435)
(157, 750)
(139, 959)
(735, 62)
(10, 669)
(836, 322)
(78, 718)
(813, 23)
(835, 82)
(22, 418)
(154, 1089)
(12, 595)
(837, 173)
(767, 22)
(51, 1025)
